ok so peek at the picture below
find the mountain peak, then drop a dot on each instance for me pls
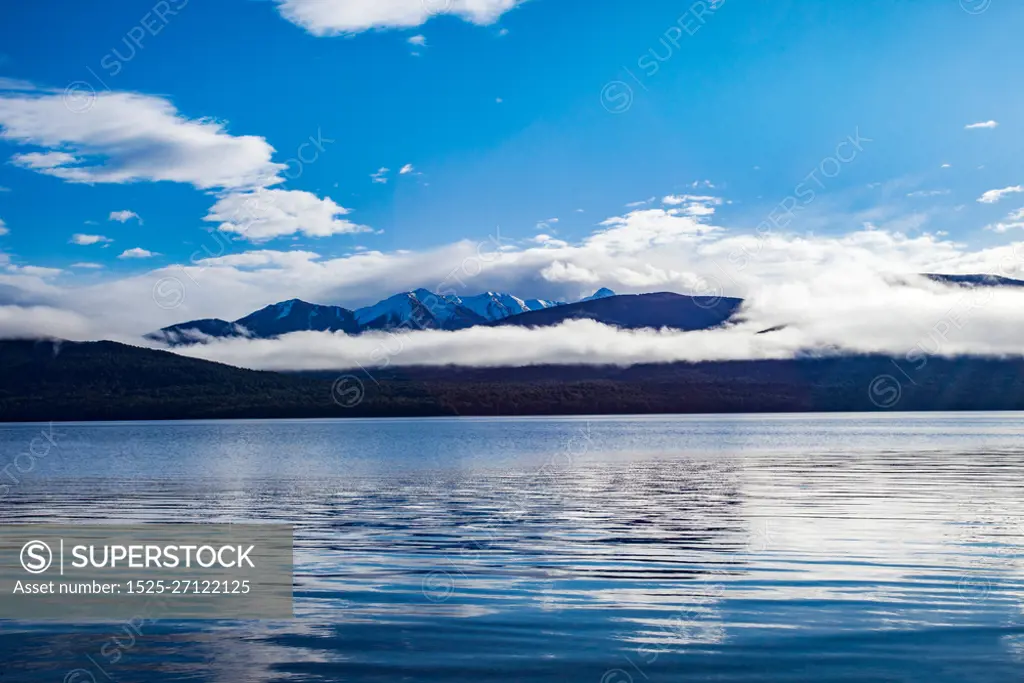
(602, 293)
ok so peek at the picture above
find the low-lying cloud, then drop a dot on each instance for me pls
(912, 317)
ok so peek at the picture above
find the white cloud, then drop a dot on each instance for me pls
(928, 193)
(334, 17)
(419, 40)
(946, 166)
(137, 252)
(695, 205)
(1005, 227)
(993, 196)
(406, 169)
(87, 265)
(574, 342)
(981, 125)
(381, 176)
(117, 137)
(264, 214)
(641, 230)
(84, 240)
(676, 200)
(563, 272)
(124, 216)
(114, 137)
(3, 227)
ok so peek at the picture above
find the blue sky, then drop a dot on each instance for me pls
(509, 116)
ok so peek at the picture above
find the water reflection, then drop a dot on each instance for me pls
(614, 550)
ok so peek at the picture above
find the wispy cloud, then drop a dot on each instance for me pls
(677, 199)
(381, 176)
(993, 196)
(981, 125)
(1014, 221)
(407, 169)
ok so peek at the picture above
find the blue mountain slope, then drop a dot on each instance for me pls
(296, 315)
(636, 311)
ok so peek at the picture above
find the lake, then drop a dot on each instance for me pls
(881, 547)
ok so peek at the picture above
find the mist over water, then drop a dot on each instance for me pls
(604, 550)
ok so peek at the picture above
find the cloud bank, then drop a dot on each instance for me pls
(914, 318)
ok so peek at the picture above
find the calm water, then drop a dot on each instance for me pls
(811, 548)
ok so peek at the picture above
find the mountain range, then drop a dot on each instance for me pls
(422, 309)
(418, 309)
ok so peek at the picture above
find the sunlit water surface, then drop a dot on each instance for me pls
(607, 550)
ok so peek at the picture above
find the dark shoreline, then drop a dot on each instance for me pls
(44, 381)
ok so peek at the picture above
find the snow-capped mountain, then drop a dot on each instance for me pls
(602, 293)
(498, 305)
(541, 304)
(419, 309)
